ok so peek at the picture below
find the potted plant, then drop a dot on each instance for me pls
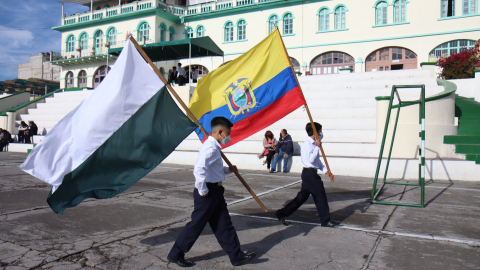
(107, 45)
(79, 49)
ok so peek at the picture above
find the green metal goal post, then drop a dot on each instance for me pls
(421, 148)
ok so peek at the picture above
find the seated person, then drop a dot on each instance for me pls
(284, 149)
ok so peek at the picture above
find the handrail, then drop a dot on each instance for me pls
(23, 91)
(450, 88)
(14, 109)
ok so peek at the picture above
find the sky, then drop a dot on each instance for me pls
(25, 30)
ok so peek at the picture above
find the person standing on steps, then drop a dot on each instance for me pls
(209, 202)
(284, 149)
(311, 181)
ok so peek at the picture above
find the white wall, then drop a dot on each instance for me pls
(465, 87)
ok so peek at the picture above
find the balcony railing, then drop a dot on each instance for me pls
(158, 4)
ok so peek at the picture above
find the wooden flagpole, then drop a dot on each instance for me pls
(306, 107)
(190, 114)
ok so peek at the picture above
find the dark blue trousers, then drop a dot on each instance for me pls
(212, 210)
(311, 184)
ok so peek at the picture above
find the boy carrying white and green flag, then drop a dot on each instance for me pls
(116, 136)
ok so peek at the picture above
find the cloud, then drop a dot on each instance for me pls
(20, 34)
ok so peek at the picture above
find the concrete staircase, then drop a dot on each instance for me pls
(46, 115)
(345, 105)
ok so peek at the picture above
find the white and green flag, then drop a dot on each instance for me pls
(116, 136)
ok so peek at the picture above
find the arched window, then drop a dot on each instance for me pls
(71, 43)
(84, 41)
(229, 31)
(448, 8)
(242, 30)
(340, 17)
(200, 31)
(171, 31)
(189, 32)
(288, 24)
(295, 64)
(391, 58)
(448, 48)
(324, 20)
(82, 78)
(143, 32)
(400, 11)
(331, 62)
(469, 7)
(99, 42)
(99, 75)
(272, 23)
(69, 79)
(163, 29)
(381, 13)
(112, 36)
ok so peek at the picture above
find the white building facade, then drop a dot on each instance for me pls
(321, 36)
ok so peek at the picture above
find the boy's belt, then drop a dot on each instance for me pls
(215, 184)
(310, 169)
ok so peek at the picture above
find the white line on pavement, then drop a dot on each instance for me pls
(411, 235)
(266, 192)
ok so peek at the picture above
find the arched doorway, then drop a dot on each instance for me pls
(99, 75)
(295, 64)
(391, 58)
(331, 62)
(202, 71)
(82, 79)
(69, 79)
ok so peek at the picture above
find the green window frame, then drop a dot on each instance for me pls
(242, 30)
(324, 19)
(400, 11)
(112, 36)
(288, 24)
(341, 17)
(143, 32)
(163, 29)
(189, 32)
(447, 8)
(83, 44)
(70, 43)
(200, 31)
(272, 23)
(451, 47)
(171, 31)
(469, 7)
(228, 32)
(381, 13)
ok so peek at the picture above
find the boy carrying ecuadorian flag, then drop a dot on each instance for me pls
(253, 91)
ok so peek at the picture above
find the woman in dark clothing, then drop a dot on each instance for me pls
(21, 131)
(32, 131)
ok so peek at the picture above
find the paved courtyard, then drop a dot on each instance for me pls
(136, 229)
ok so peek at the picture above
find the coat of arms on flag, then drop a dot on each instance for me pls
(240, 97)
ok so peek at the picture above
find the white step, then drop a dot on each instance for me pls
(334, 113)
(63, 110)
(437, 169)
(362, 76)
(328, 124)
(345, 85)
(368, 93)
(42, 117)
(19, 147)
(57, 105)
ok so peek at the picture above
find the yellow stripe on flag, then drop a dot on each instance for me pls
(259, 65)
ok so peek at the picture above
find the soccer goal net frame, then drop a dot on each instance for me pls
(421, 148)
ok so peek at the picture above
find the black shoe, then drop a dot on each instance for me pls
(248, 257)
(181, 262)
(330, 224)
(281, 218)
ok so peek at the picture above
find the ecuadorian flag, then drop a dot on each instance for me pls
(253, 91)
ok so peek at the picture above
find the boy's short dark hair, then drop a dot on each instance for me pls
(220, 121)
(309, 128)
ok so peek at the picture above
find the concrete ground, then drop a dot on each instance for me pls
(136, 229)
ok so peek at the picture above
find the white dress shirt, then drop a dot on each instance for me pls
(310, 154)
(181, 71)
(195, 75)
(209, 166)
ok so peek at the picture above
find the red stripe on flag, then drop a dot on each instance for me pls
(245, 128)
